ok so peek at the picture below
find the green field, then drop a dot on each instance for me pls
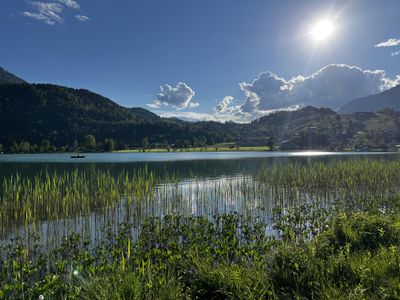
(214, 148)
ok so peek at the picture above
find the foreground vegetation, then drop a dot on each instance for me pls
(354, 256)
(333, 233)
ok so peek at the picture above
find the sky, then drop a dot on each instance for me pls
(210, 59)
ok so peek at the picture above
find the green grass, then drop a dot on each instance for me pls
(216, 148)
(355, 256)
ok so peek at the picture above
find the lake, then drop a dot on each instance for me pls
(208, 183)
(187, 164)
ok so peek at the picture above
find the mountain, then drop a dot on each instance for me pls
(374, 103)
(8, 78)
(33, 113)
(42, 111)
(322, 128)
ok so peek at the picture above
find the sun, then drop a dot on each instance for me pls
(322, 30)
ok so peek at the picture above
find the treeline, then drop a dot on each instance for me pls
(88, 144)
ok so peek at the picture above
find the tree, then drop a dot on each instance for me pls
(145, 143)
(165, 143)
(44, 146)
(24, 147)
(1, 148)
(90, 142)
(186, 144)
(75, 145)
(270, 143)
(109, 145)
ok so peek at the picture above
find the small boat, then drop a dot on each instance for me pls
(77, 156)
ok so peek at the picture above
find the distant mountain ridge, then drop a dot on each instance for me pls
(8, 78)
(387, 99)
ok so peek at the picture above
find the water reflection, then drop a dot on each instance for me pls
(195, 197)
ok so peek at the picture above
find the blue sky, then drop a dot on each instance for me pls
(216, 59)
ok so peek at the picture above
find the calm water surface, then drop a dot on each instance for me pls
(185, 164)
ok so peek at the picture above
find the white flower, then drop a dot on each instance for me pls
(75, 272)
(41, 297)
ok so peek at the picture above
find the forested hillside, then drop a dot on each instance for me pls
(47, 118)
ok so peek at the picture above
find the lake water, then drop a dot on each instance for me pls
(185, 164)
(210, 183)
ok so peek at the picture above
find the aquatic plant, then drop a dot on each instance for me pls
(227, 257)
(54, 196)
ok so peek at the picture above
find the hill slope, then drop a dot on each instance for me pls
(8, 78)
(386, 99)
(60, 114)
(33, 113)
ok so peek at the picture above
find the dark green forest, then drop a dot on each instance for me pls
(51, 118)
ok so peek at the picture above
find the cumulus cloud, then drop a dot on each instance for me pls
(332, 86)
(82, 18)
(224, 105)
(389, 43)
(70, 3)
(49, 13)
(179, 97)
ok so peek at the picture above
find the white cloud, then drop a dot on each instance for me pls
(389, 43)
(38, 16)
(70, 3)
(396, 81)
(395, 53)
(49, 13)
(179, 97)
(232, 116)
(332, 86)
(226, 111)
(224, 105)
(197, 116)
(82, 18)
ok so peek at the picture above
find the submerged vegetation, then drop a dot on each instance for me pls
(302, 231)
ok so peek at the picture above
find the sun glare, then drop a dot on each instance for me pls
(322, 30)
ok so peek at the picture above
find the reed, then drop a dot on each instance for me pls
(355, 184)
(80, 201)
(54, 196)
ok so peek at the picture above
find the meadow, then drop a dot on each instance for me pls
(301, 231)
(222, 147)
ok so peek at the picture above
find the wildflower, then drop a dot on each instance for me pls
(75, 272)
(41, 297)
